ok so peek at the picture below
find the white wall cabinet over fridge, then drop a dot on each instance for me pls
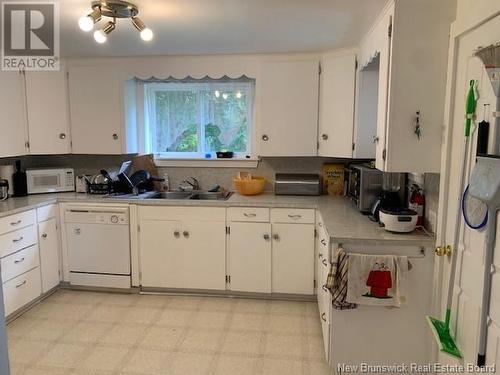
(408, 48)
(12, 107)
(288, 108)
(96, 110)
(47, 109)
(336, 104)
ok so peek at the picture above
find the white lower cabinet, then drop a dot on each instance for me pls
(19, 260)
(275, 255)
(249, 257)
(48, 240)
(182, 248)
(293, 258)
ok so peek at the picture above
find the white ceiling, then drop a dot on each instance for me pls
(225, 26)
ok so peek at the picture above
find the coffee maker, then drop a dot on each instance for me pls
(392, 195)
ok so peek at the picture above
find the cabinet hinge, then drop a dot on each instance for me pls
(228, 230)
(317, 145)
(356, 64)
(353, 146)
(319, 69)
(228, 279)
(27, 144)
(138, 228)
(315, 232)
(314, 283)
(389, 30)
(384, 154)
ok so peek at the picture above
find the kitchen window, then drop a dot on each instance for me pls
(194, 119)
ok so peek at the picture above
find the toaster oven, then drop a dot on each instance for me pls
(363, 186)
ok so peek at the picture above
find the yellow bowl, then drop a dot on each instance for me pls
(250, 187)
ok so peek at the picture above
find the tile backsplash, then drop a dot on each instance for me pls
(209, 177)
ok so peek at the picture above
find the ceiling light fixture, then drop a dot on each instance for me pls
(113, 9)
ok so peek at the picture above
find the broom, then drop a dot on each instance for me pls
(439, 328)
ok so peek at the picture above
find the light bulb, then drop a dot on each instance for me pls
(225, 95)
(146, 34)
(217, 93)
(86, 23)
(238, 95)
(100, 36)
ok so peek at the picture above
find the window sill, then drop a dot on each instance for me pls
(208, 163)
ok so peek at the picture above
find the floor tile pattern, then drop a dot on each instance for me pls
(75, 332)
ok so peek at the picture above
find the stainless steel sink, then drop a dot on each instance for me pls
(172, 195)
(210, 196)
(196, 195)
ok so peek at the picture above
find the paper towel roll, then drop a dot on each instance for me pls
(6, 172)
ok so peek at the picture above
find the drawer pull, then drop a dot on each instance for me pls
(246, 214)
(14, 223)
(295, 217)
(177, 234)
(323, 242)
(267, 237)
(15, 240)
(20, 285)
(324, 288)
(19, 261)
(44, 235)
(276, 237)
(320, 255)
(325, 263)
(323, 317)
(185, 234)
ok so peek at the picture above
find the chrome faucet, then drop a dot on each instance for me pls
(190, 183)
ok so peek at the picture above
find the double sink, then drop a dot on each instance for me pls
(192, 195)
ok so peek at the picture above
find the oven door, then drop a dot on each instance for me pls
(354, 183)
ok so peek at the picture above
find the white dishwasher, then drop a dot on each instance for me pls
(98, 240)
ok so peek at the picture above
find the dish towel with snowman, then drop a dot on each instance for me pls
(379, 280)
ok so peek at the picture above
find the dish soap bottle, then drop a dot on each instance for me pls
(19, 181)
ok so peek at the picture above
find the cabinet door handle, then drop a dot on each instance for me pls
(249, 214)
(295, 217)
(185, 234)
(44, 235)
(21, 284)
(14, 223)
(177, 234)
(324, 288)
(15, 240)
(320, 255)
(19, 261)
(324, 137)
(62, 136)
(375, 139)
(267, 237)
(325, 263)
(276, 237)
(115, 136)
(323, 242)
(265, 138)
(323, 317)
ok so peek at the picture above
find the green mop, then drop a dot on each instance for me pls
(440, 329)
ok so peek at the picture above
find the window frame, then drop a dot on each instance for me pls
(148, 92)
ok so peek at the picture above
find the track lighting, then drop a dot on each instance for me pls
(101, 36)
(113, 9)
(87, 22)
(146, 34)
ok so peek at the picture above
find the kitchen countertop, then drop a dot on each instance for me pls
(342, 221)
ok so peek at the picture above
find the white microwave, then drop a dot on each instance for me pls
(50, 180)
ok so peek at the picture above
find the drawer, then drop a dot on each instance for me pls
(17, 240)
(21, 290)
(287, 215)
(253, 214)
(19, 263)
(13, 222)
(47, 212)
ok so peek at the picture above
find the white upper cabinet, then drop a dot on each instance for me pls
(336, 106)
(96, 110)
(288, 108)
(408, 48)
(47, 110)
(12, 107)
